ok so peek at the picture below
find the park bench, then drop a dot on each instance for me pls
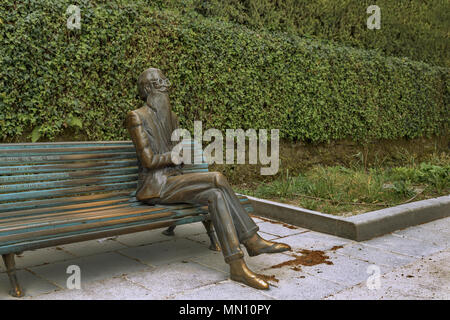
(64, 192)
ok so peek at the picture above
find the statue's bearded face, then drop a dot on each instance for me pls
(156, 82)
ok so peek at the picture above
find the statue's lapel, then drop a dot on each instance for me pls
(153, 130)
(148, 124)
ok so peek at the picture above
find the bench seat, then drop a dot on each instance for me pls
(87, 217)
(58, 193)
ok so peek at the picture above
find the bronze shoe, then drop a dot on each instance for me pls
(241, 273)
(257, 245)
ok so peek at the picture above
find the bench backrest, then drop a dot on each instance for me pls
(39, 173)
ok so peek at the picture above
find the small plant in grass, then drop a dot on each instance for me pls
(403, 188)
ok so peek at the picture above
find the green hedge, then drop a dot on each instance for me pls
(54, 80)
(416, 29)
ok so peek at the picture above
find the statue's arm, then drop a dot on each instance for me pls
(141, 142)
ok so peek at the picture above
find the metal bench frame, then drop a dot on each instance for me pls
(64, 192)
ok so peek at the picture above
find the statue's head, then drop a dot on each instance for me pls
(152, 81)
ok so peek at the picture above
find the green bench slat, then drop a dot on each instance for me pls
(61, 209)
(67, 158)
(41, 168)
(65, 191)
(93, 180)
(70, 150)
(76, 144)
(83, 199)
(67, 175)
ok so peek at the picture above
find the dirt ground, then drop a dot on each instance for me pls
(297, 157)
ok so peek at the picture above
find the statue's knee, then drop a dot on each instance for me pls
(220, 180)
(216, 195)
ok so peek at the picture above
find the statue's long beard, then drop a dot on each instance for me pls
(160, 103)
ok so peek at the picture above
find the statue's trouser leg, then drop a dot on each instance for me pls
(245, 226)
(231, 222)
(223, 223)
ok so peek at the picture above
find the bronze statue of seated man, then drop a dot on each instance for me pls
(162, 182)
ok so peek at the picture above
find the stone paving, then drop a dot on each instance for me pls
(413, 263)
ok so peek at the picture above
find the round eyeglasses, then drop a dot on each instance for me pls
(161, 82)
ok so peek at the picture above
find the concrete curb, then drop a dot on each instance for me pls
(360, 227)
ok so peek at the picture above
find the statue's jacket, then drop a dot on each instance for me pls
(151, 132)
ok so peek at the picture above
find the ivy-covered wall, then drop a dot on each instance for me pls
(53, 79)
(417, 29)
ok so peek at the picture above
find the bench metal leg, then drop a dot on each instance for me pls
(212, 235)
(169, 231)
(16, 290)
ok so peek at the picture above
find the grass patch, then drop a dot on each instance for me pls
(351, 190)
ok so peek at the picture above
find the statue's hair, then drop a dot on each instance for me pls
(143, 81)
